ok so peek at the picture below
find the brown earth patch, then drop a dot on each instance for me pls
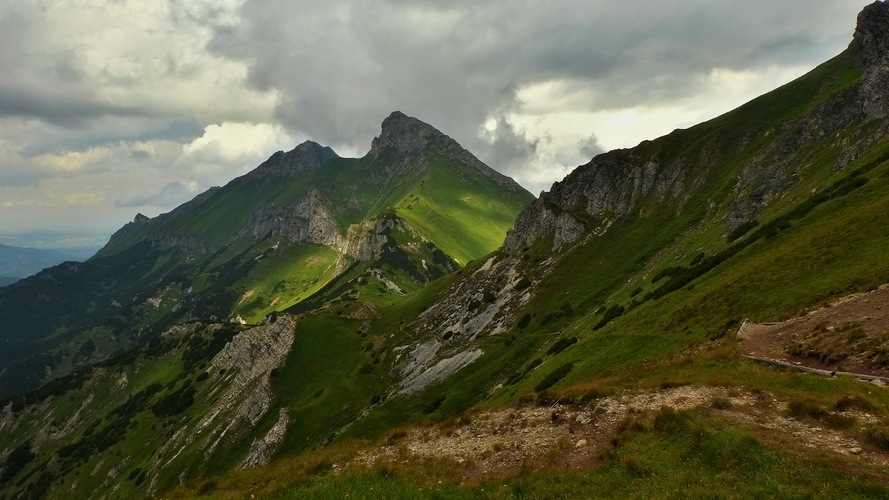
(490, 445)
(848, 335)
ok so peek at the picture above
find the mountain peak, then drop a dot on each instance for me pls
(871, 39)
(303, 158)
(411, 137)
(405, 133)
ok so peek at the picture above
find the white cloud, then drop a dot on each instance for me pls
(229, 149)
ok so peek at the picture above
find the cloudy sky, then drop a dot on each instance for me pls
(113, 107)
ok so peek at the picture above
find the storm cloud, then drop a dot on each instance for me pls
(110, 107)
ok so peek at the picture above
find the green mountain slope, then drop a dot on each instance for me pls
(594, 352)
(260, 244)
(635, 272)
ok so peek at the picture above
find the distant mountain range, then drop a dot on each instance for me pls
(17, 263)
(76, 242)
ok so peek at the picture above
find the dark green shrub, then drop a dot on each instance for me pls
(174, 403)
(553, 377)
(663, 273)
(610, 314)
(18, 459)
(561, 345)
(435, 404)
(741, 230)
(522, 284)
(524, 321)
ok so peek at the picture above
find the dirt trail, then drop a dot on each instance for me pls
(848, 335)
(500, 443)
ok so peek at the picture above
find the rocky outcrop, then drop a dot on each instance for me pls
(163, 240)
(122, 235)
(366, 241)
(411, 138)
(123, 238)
(304, 158)
(261, 450)
(241, 396)
(308, 220)
(256, 352)
(424, 375)
(375, 241)
(450, 334)
(606, 188)
(481, 304)
(871, 45)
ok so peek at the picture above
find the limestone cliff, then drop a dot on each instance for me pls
(871, 45)
(308, 220)
(669, 171)
(606, 188)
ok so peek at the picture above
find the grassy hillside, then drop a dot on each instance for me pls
(650, 305)
(607, 367)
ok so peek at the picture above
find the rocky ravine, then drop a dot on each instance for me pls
(444, 335)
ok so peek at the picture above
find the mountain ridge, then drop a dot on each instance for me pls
(596, 193)
(307, 210)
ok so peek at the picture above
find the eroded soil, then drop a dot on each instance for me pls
(499, 443)
(848, 335)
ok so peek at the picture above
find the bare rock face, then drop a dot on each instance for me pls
(366, 241)
(261, 450)
(304, 158)
(241, 394)
(871, 44)
(606, 188)
(450, 335)
(412, 138)
(255, 352)
(309, 220)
